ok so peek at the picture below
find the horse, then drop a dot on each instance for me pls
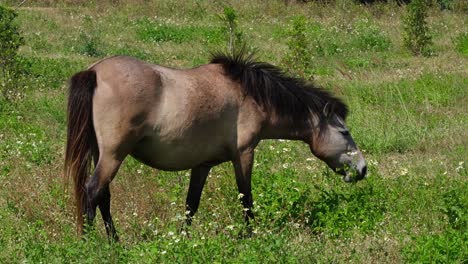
(180, 119)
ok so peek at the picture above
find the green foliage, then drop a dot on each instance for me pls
(151, 31)
(461, 43)
(234, 36)
(455, 208)
(338, 212)
(417, 37)
(281, 199)
(299, 57)
(10, 63)
(90, 39)
(450, 246)
(23, 140)
(369, 37)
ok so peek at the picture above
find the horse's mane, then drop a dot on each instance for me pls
(288, 97)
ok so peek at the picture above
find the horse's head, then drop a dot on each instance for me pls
(332, 143)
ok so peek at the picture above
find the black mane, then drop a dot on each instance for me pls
(289, 97)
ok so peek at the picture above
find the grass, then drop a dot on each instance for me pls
(407, 113)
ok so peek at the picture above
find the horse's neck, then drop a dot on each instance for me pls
(275, 128)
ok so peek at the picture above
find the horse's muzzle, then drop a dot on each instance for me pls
(360, 172)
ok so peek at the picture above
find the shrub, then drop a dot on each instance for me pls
(299, 57)
(10, 62)
(234, 36)
(416, 36)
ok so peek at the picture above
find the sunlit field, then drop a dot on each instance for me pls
(408, 114)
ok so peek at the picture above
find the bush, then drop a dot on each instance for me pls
(234, 36)
(416, 36)
(10, 62)
(299, 57)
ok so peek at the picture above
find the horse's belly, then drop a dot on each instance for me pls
(179, 156)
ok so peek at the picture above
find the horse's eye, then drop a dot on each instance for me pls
(344, 133)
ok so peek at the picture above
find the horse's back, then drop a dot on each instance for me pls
(170, 119)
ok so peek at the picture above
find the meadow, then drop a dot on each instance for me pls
(408, 114)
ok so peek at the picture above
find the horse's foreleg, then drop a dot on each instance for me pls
(98, 194)
(243, 169)
(197, 181)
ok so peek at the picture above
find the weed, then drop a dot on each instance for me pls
(461, 43)
(90, 39)
(369, 37)
(152, 31)
(10, 62)
(234, 36)
(416, 36)
(299, 59)
(455, 209)
(338, 212)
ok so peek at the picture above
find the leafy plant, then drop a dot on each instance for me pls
(461, 43)
(337, 212)
(455, 209)
(91, 44)
(299, 57)
(370, 37)
(10, 62)
(151, 31)
(416, 36)
(450, 246)
(234, 36)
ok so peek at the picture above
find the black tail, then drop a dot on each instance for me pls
(81, 138)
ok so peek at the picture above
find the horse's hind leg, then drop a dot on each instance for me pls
(98, 194)
(104, 207)
(197, 181)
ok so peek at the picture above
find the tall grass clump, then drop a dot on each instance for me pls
(416, 35)
(299, 56)
(10, 62)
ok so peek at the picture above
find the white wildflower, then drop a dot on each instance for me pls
(404, 172)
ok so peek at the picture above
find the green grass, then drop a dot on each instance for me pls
(408, 114)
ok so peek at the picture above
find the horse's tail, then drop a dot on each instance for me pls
(81, 137)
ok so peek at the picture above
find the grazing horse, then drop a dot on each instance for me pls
(173, 120)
